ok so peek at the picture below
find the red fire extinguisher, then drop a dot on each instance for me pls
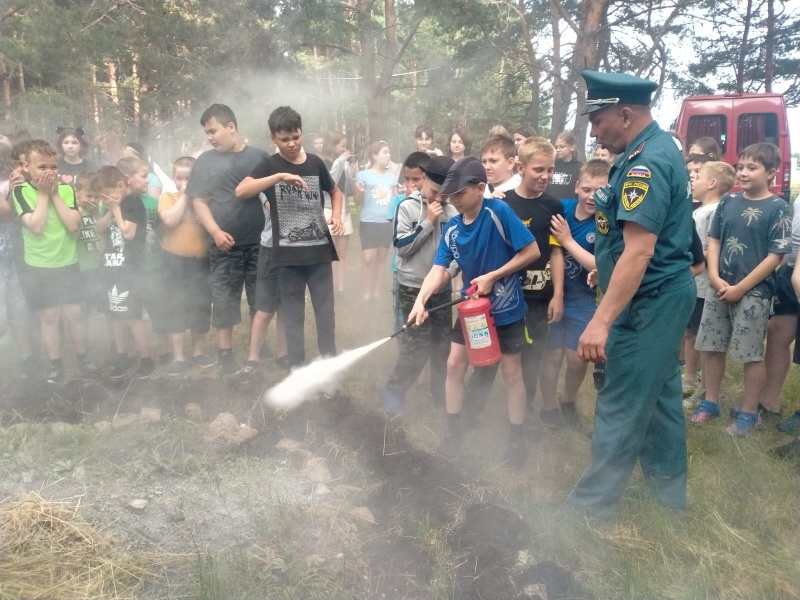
(480, 334)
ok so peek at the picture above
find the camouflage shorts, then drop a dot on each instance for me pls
(742, 326)
(230, 272)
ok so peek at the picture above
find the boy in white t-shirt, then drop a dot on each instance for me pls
(709, 184)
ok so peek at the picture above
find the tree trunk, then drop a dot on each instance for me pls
(368, 58)
(560, 108)
(95, 103)
(769, 47)
(740, 65)
(6, 84)
(111, 71)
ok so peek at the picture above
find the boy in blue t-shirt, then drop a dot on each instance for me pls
(750, 233)
(490, 245)
(575, 232)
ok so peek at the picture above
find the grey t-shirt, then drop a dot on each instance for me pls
(747, 231)
(215, 177)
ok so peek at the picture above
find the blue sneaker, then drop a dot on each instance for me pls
(392, 400)
(705, 412)
(744, 424)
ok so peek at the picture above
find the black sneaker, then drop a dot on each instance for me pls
(55, 375)
(514, 457)
(248, 370)
(282, 362)
(146, 368)
(203, 361)
(552, 417)
(29, 366)
(789, 451)
(121, 367)
(569, 414)
(227, 362)
(176, 368)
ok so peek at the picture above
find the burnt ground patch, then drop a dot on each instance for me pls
(416, 497)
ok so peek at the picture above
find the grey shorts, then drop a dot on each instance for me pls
(741, 326)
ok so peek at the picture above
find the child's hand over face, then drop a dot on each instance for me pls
(435, 210)
(110, 201)
(88, 203)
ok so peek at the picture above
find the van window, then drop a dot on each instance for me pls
(713, 126)
(754, 128)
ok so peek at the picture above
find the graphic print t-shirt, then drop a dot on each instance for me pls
(583, 231)
(378, 193)
(122, 253)
(565, 175)
(300, 235)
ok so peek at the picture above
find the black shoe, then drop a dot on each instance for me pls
(789, 451)
(248, 370)
(282, 362)
(29, 366)
(569, 414)
(450, 447)
(146, 368)
(514, 458)
(55, 375)
(203, 361)
(227, 362)
(552, 418)
(177, 368)
(121, 367)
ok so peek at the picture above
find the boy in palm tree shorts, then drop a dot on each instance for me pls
(749, 235)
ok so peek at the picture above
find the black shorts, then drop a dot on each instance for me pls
(512, 337)
(123, 296)
(188, 304)
(268, 297)
(785, 300)
(48, 288)
(375, 235)
(796, 354)
(697, 315)
(153, 285)
(93, 296)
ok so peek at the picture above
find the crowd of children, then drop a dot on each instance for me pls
(518, 222)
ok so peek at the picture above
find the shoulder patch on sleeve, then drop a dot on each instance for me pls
(639, 171)
(633, 193)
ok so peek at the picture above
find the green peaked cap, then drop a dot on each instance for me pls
(609, 89)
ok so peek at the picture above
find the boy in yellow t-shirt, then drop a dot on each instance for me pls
(186, 269)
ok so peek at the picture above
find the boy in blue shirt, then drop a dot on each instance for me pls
(575, 231)
(749, 235)
(490, 245)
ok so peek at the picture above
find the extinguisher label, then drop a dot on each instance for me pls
(478, 332)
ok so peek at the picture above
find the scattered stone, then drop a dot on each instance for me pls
(227, 429)
(194, 413)
(321, 490)
(316, 471)
(176, 516)
(536, 591)
(138, 504)
(362, 512)
(123, 420)
(287, 445)
(60, 428)
(103, 426)
(150, 415)
(346, 490)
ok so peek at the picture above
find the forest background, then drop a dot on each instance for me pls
(375, 69)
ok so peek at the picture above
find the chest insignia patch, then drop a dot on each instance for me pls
(633, 193)
(601, 220)
(639, 171)
(636, 152)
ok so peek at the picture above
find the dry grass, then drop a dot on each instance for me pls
(49, 552)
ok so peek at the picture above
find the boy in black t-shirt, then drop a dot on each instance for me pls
(302, 247)
(234, 224)
(124, 226)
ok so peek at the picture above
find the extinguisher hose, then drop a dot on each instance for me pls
(471, 290)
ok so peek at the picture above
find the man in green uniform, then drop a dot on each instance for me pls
(644, 234)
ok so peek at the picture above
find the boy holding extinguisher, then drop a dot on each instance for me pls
(490, 245)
